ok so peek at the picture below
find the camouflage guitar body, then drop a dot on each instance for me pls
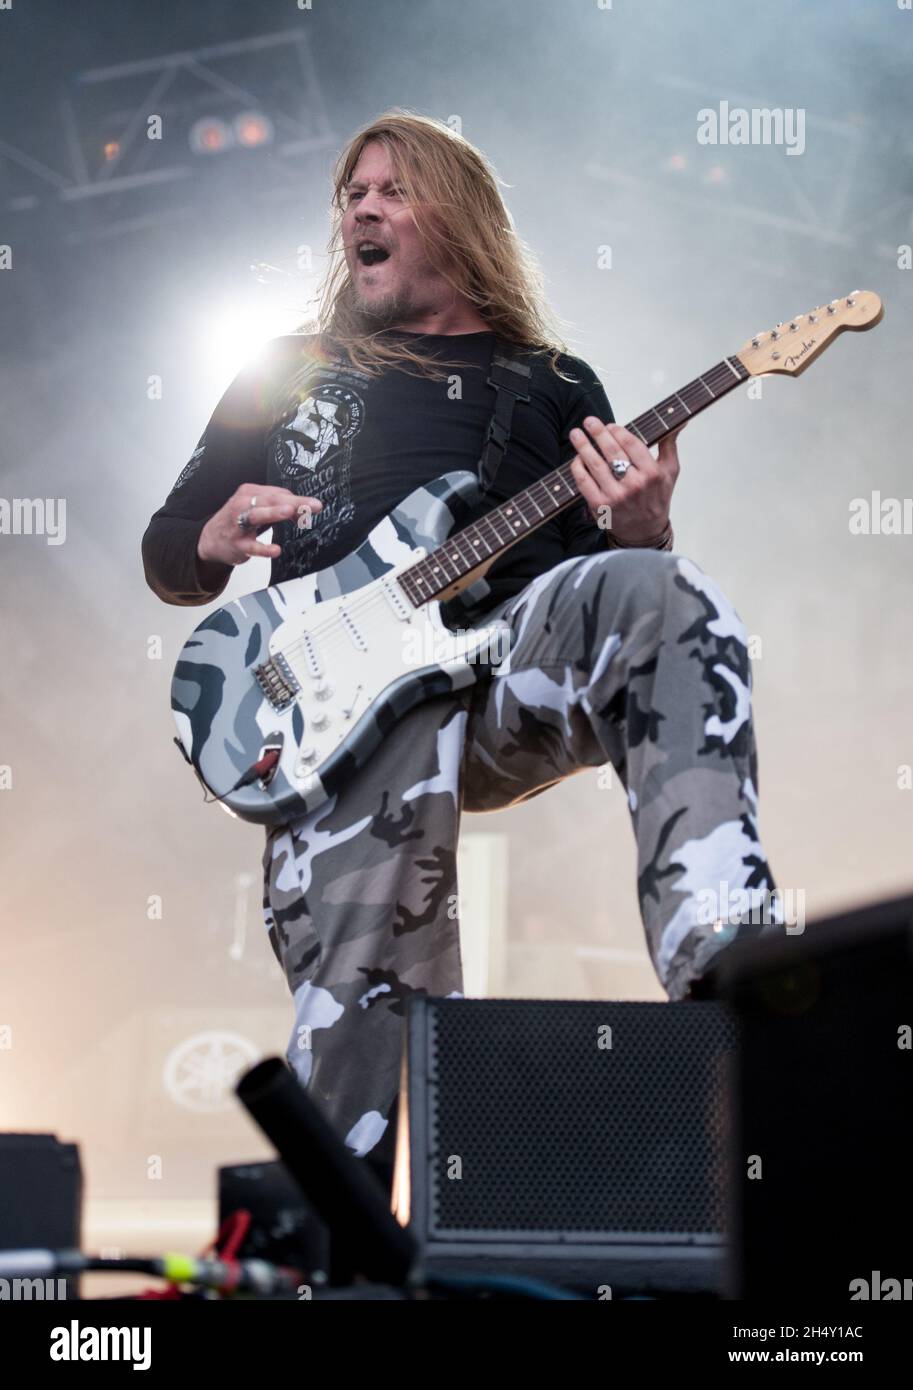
(319, 668)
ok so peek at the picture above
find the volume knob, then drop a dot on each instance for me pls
(323, 690)
(320, 720)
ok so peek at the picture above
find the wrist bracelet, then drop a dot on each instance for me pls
(664, 541)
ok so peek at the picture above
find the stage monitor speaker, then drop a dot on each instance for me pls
(581, 1143)
(40, 1200)
(823, 1128)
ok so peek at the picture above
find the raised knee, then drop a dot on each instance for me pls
(661, 564)
(641, 571)
(656, 578)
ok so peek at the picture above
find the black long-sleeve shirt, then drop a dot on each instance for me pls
(309, 422)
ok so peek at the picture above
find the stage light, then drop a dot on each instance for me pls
(253, 128)
(209, 135)
(112, 149)
(677, 162)
(234, 334)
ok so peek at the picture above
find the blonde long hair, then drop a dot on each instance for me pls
(467, 233)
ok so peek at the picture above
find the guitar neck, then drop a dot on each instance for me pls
(468, 554)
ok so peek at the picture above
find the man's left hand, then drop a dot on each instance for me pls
(639, 501)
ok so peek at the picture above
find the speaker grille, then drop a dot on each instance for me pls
(550, 1116)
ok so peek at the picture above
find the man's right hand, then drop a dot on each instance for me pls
(222, 541)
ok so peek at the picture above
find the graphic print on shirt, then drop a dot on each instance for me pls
(196, 458)
(311, 450)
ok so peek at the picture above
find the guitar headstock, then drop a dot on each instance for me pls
(790, 347)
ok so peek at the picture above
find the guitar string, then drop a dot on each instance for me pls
(359, 602)
(334, 638)
(360, 599)
(331, 628)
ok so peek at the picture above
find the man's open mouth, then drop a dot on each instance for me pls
(370, 253)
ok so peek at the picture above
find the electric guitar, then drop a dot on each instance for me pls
(282, 696)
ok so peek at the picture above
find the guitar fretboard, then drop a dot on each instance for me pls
(503, 526)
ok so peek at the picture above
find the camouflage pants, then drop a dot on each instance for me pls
(629, 657)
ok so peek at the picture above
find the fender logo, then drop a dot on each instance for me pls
(797, 356)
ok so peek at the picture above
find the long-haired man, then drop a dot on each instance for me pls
(620, 650)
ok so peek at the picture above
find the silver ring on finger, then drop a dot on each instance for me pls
(620, 467)
(244, 522)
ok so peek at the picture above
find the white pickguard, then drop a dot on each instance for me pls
(347, 651)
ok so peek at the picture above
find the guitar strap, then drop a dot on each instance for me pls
(510, 376)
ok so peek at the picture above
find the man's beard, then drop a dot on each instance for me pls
(384, 312)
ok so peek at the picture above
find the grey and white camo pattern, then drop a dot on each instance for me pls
(221, 714)
(631, 657)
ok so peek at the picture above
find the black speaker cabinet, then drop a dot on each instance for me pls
(581, 1143)
(823, 1126)
(40, 1200)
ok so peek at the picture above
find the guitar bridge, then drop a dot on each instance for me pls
(277, 681)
